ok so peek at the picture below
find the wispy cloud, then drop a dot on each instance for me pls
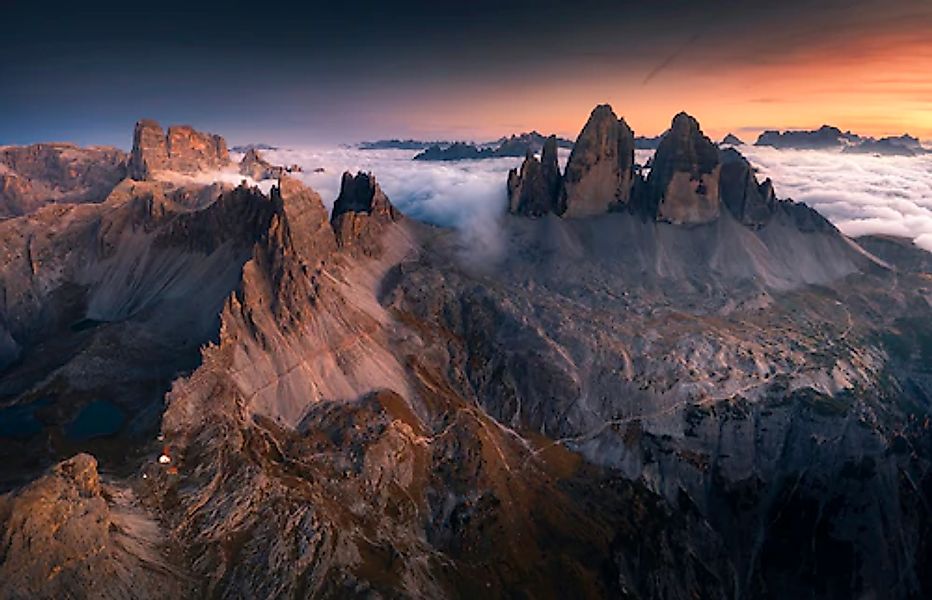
(861, 194)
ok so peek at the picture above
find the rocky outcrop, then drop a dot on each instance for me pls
(256, 167)
(731, 140)
(537, 188)
(182, 149)
(750, 202)
(40, 174)
(683, 184)
(689, 180)
(360, 211)
(720, 411)
(66, 534)
(299, 228)
(600, 169)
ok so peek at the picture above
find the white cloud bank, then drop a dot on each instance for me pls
(861, 194)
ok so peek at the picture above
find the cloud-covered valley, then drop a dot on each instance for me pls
(861, 194)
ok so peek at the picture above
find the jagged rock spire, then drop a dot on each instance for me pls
(537, 188)
(683, 184)
(360, 210)
(748, 201)
(361, 193)
(599, 173)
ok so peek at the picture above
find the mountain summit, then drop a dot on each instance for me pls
(675, 386)
(182, 149)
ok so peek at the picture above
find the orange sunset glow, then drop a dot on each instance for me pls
(876, 86)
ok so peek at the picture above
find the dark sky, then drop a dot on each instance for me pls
(264, 71)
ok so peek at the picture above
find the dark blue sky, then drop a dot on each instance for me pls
(346, 71)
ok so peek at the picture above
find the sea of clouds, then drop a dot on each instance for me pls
(861, 194)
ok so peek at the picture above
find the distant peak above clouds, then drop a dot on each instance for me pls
(828, 137)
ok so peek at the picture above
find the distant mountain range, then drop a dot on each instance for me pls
(396, 144)
(515, 145)
(829, 137)
(671, 385)
(248, 147)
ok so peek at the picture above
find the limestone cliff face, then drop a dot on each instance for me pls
(360, 211)
(599, 173)
(683, 184)
(66, 534)
(537, 188)
(40, 174)
(182, 149)
(718, 411)
(750, 202)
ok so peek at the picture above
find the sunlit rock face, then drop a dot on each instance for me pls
(183, 149)
(68, 533)
(683, 184)
(599, 173)
(348, 405)
(40, 174)
(537, 187)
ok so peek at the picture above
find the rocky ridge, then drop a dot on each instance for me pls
(537, 188)
(40, 174)
(737, 408)
(690, 181)
(824, 137)
(91, 538)
(512, 146)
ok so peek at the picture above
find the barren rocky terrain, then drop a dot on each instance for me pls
(667, 386)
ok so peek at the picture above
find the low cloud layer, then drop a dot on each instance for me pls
(861, 194)
(467, 195)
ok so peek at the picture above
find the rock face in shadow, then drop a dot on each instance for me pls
(750, 202)
(65, 534)
(599, 172)
(182, 149)
(724, 410)
(683, 184)
(360, 211)
(107, 303)
(537, 188)
(40, 174)
(690, 181)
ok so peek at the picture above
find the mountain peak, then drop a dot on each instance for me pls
(599, 172)
(731, 140)
(537, 188)
(361, 207)
(182, 148)
(683, 182)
